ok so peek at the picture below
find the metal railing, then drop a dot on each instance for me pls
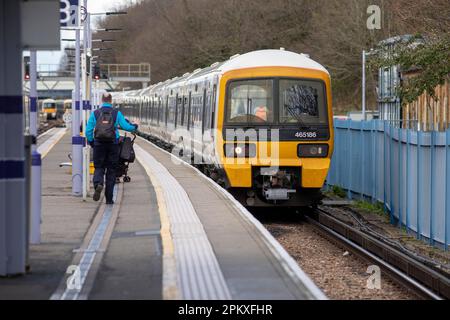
(141, 70)
(406, 170)
(53, 71)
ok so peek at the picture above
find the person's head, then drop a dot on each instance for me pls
(107, 98)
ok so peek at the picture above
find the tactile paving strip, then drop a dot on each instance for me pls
(198, 273)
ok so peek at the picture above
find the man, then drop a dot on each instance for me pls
(261, 112)
(103, 136)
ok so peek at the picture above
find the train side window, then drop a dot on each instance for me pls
(186, 105)
(192, 110)
(149, 115)
(170, 115)
(166, 113)
(159, 110)
(198, 112)
(147, 104)
(213, 105)
(203, 111)
(172, 110)
(177, 107)
(155, 110)
(182, 110)
(143, 114)
(207, 111)
(188, 112)
(157, 103)
(152, 111)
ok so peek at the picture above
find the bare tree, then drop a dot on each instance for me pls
(178, 36)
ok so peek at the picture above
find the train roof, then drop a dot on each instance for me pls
(270, 58)
(254, 59)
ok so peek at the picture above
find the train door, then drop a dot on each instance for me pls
(189, 116)
(176, 111)
(204, 114)
(166, 112)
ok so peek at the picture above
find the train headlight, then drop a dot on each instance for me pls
(313, 150)
(240, 150)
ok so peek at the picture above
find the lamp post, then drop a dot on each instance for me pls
(36, 162)
(77, 140)
(85, 98)
(364, 85)
(87, 87)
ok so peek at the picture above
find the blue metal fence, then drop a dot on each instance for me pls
(408, 171)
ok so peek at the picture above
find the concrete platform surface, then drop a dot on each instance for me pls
(171, 234)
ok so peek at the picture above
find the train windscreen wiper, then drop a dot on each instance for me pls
(295, 115)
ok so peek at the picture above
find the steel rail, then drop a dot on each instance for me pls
(417, 277)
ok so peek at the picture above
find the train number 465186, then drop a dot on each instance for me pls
(303, 135)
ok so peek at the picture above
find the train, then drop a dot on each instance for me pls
(67, 106)
(53, 109)
(49, 108)
(260, 124)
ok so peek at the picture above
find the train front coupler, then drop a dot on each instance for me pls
(277, 185)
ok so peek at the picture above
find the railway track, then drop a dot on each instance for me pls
(401, 268)
(50, 124)
(410, 273)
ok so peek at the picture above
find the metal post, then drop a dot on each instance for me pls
(83, 97)
(89, 91)
(77, 140)
(86, 99)
(97, 94)
(13, 220)
(28, 173)
(364, 85)
(36, 162)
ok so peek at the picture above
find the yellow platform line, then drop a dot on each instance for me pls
(56, 138)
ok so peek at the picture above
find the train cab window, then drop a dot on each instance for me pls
(250, 101)
(49, 105)
(302, 101)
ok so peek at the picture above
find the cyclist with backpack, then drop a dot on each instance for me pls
(103, 136)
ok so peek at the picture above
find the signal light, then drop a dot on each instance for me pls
(96, 72)
(27, 68)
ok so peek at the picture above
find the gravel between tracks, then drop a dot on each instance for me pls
(341, 275)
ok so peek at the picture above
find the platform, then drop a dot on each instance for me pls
(171, 234)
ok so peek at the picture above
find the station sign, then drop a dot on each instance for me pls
(40, 29)
(69, 13)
